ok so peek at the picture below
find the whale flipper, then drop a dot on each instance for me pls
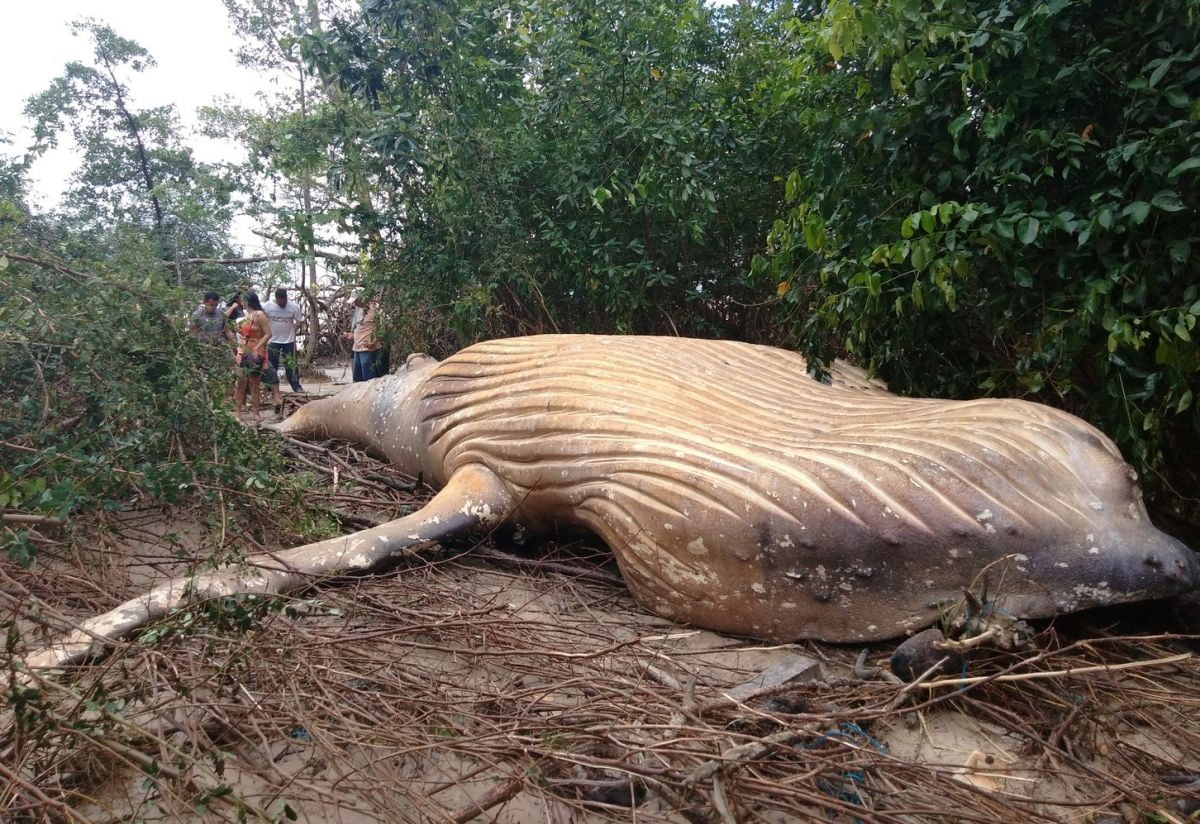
(474, 498)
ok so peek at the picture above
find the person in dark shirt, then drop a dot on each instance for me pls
(208, 323)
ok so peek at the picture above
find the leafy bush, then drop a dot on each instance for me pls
(1001, 198)
(574, 167)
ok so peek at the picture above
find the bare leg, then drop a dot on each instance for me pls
(255, 394)
(239, 395)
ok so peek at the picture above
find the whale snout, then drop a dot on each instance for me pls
(1163, 566)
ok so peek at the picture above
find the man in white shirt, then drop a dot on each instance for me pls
(285, 322)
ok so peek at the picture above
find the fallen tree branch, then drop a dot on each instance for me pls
(26, 518)
(598, 576)
(46, 264)
(497, 795)
(1031, 676)
(744, 753)
(245, 261)
(334, 256)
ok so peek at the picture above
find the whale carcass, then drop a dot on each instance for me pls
(736, 492)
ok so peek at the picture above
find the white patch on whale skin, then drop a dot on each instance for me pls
(481, 511)
(697, 547)
(1099, 593)
(673, 570)
(1094, 550)
(758, 588)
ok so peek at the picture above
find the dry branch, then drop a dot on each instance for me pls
(26, 518)
(1030, 676)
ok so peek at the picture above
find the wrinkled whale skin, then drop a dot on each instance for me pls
(741, 495)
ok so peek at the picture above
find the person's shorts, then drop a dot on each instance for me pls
(251, 365)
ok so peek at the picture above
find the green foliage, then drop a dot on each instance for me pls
(105, 399)
(550, 166)
(1002, 198)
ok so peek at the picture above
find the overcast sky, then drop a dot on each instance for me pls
(191, 42)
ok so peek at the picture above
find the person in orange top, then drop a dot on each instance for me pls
(253, 330)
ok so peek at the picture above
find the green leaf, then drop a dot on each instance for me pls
(921, 254)
(1177, 97)
(1138, 211)
(1027, 229)
(814, 233)
(1064, 220)
(957, 124)
(1184, 402)
(792, 186)
(599, 196)
(1163, 67)
(1167, 200)
(1190, 163)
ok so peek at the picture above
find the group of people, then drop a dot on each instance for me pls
(263, 336)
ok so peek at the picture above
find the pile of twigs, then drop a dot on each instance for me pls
(494, 686)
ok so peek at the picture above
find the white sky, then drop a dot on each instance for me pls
(191, 41)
